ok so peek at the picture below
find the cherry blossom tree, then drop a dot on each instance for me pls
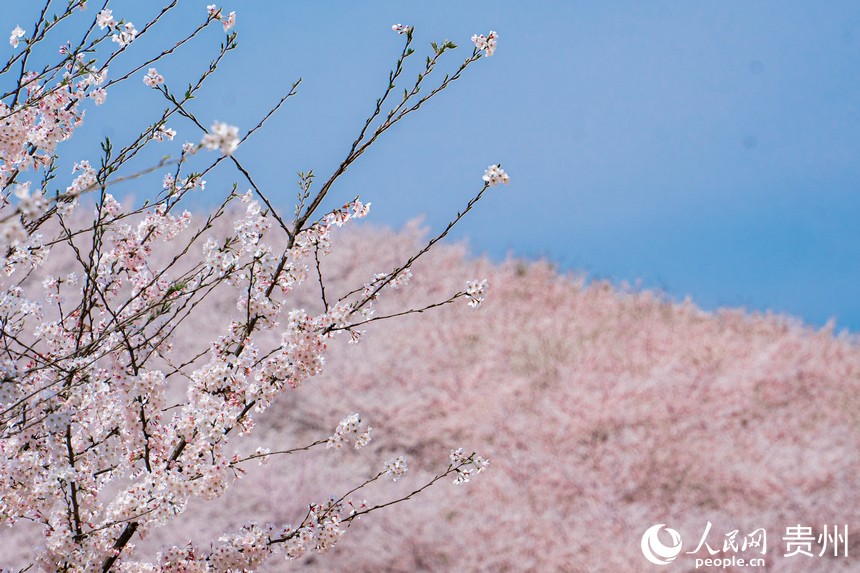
(108, 428)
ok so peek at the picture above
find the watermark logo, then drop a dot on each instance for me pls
(655, 550)
(734, 549)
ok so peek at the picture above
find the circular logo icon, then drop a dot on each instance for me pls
(655, 551)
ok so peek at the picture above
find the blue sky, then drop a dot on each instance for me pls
(709, 149)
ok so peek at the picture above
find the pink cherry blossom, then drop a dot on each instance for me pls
(143, 344)
(17, 34)
(222, 136)
(153, 78)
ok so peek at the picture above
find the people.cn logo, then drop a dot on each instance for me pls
(654, 549)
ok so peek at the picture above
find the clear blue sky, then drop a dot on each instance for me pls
(707, 148)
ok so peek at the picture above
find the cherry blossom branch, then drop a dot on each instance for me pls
(268, 454)
(86, 375)
(359, 146)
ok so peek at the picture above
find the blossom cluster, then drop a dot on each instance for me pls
(495, 175)
(15, 37)
(246, 549)
(222, 136)
(32, 127)
(350, 426)
(124, 33)
(476, 291)
(153, 78)
(215, 12)
(396, 468)
(486, 44)
(465, 466)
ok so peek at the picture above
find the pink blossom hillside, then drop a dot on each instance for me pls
(602, 412)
